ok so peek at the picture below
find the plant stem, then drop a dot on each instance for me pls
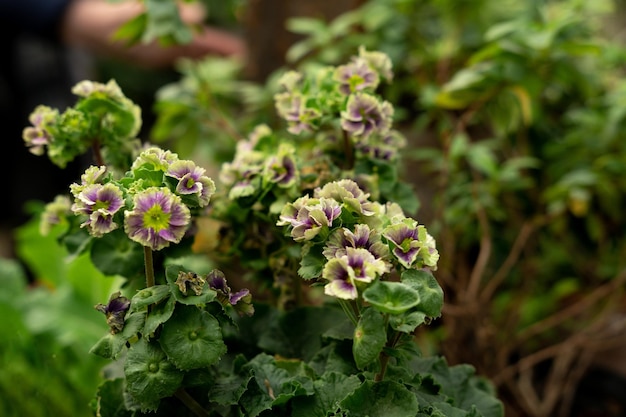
(147, 256)
(349, 312)
(191, 403)
(349, 150)
(97, 154)
(384, 358)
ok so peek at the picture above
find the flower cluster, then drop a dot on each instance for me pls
(362, 240)
(103, 116)
(343, 96)
(255, 169)
(154, 199)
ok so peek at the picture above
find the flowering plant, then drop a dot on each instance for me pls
(320, 201)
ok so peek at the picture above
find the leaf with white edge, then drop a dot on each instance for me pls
(431, 294)
(109, 400)
(391, 297)
(369, 338)
(381, 399)
(150, 376)
(148, 296)
(192, 338)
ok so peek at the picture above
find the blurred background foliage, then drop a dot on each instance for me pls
(515, 112)
(48, 326)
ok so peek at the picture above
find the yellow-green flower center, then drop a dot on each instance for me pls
(354, 81)
(101, 205)
(156, 219)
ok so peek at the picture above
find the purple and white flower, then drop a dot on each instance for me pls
(158, 218)
(87, 88)
(349, 193)
(37, 136)
(115, 311)
(99, 202)
(240, 300)
(362, 237)
(292, 107)
(281, 169)
(356, 76)
(191, 180)
(365, 115)
(379, 61)
(290, 80)
(345, 273)
(154, 158)
(381, 146)
(411, 244)
(217, 282)
(93, 175)
(309, 216)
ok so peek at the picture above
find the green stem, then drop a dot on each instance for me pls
(191, 403)
(147, 256)
(349, 312)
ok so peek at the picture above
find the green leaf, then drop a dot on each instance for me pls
(391, 297)
(305, 25)
(381, 399)
(192, 338)
(150, 177)
(408, 321)
(12, 280)
(369, 338)
(115, 254)
(148, 296)
(481, 158)
(159, 314)
(109, 401)
(311, 322)
(329, 391)
(312, 262)
(458, 146)
(228, 389)
(150, 376)
(272, 385)
(431, 294)
(132, 30)
(459, 383)
(113, 117)
(111, 345)
(165, 24)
